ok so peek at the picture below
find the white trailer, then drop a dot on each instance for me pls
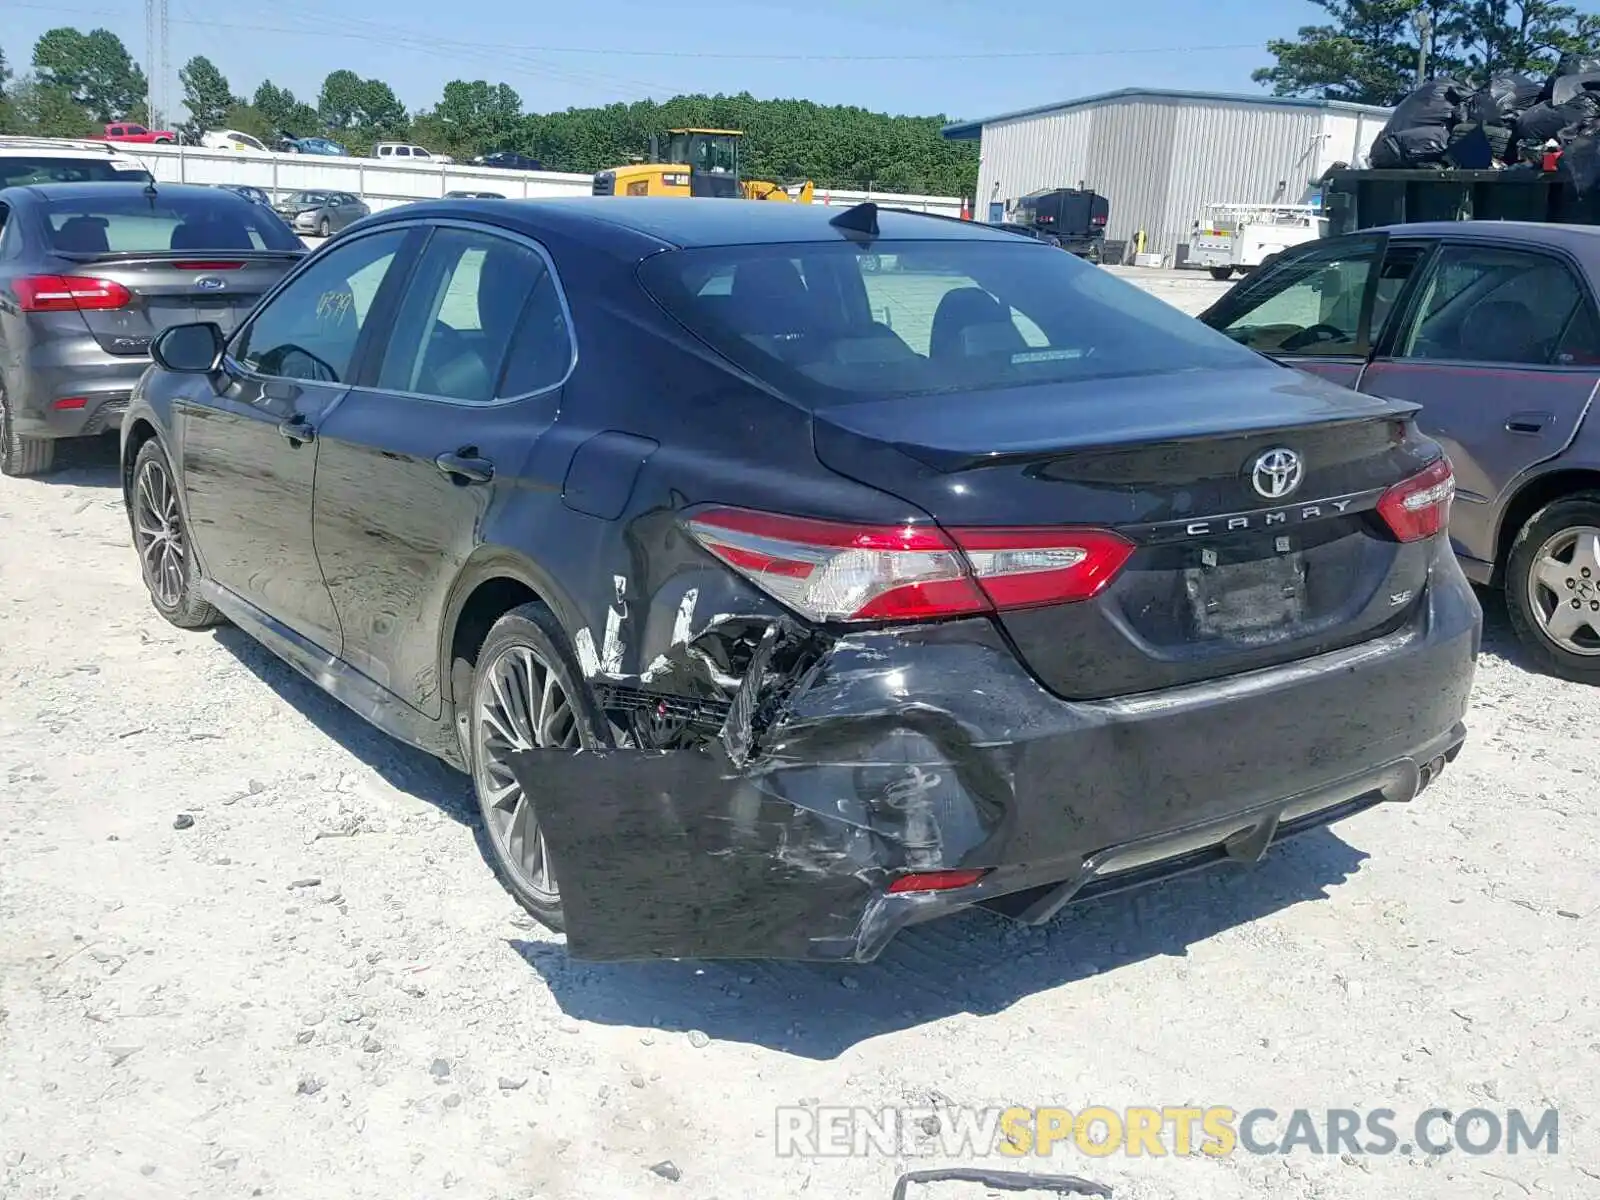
(1239, 237)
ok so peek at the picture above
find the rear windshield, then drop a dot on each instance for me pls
(834, 322)
(20, 170)
(136, 224)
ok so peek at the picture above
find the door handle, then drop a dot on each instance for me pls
(297, 430)
(464, 466)
(1527, 422)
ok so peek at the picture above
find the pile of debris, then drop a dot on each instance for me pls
(1512, 121)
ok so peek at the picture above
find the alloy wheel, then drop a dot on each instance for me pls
(158, 533)
(520, 704)
(1564, 589)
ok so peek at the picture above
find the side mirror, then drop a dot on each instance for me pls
(188, 349)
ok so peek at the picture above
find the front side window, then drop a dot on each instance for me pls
(1486, 304)
(466, 303)
(309, 330)
(837, 323)
(1309, 304)
(419, 152)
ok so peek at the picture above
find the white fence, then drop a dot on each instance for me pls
(384, 184)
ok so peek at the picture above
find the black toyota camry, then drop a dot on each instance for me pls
(774, 603)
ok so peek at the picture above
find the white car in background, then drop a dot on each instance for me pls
(28, 160)
(408, 152)
(232, 139)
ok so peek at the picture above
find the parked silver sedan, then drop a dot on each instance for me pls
(320, 213)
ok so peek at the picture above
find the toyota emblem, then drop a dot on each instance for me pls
(1277, 473)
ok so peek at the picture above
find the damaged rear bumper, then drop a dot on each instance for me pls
(932, 749)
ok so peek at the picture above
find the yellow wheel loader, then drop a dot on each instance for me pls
(697, 162)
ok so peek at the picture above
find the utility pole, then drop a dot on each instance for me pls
(1422, 19)
(155, 61)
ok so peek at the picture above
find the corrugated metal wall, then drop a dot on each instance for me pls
(1022, 156)
(1235, 153)
(1158, 159)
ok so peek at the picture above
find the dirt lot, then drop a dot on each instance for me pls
(248, 948)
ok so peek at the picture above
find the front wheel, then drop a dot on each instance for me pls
(1552, 584)
(325, 229)
(527, 694)
(166, 558)
(1221, 273)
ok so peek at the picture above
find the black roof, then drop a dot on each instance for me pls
(687, 223)
(1580, 239)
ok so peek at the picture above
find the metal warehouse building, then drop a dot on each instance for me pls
(1158, 156)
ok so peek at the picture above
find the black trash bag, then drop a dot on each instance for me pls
(1506, 94)
(1573, 63)
(1568, 86)
(1545, 121)
(1580, 156)
(1437, 102)
(1568, 64)
(1421, 146)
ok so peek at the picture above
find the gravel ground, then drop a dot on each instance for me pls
(248, 948)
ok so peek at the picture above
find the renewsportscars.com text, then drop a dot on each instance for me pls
(1099, 1131)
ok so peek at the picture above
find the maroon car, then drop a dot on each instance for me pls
(1492, 327)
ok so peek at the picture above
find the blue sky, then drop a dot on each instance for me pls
(930, 53)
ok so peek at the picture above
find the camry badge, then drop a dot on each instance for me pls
(1277, 473)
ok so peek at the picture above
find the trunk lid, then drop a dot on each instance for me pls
(1224, 579)
(176, 288)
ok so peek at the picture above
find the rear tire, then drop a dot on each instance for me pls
(161, 537)
(1552, 586)
(524, 660)
(21, 456)
(1221, 273)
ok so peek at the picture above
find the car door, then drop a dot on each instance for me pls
(248, 440)
(435, 434)
(1312, 308)
(1499, 346)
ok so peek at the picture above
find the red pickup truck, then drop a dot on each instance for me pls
(125, 131)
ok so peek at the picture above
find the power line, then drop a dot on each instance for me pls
(432, 41)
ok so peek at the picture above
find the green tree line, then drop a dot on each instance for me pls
(79, 81)
(1366, 51)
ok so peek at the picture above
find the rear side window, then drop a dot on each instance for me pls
(475, 304)
(834, 323)
(134, 224)
(1486, 304)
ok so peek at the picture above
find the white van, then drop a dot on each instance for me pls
(232, 139)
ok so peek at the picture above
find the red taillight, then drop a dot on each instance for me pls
(207, 266)
(831, 571)
(69, 293)
(935, 881)
(1419, 507)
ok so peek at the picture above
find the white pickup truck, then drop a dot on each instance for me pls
(1238, 237)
